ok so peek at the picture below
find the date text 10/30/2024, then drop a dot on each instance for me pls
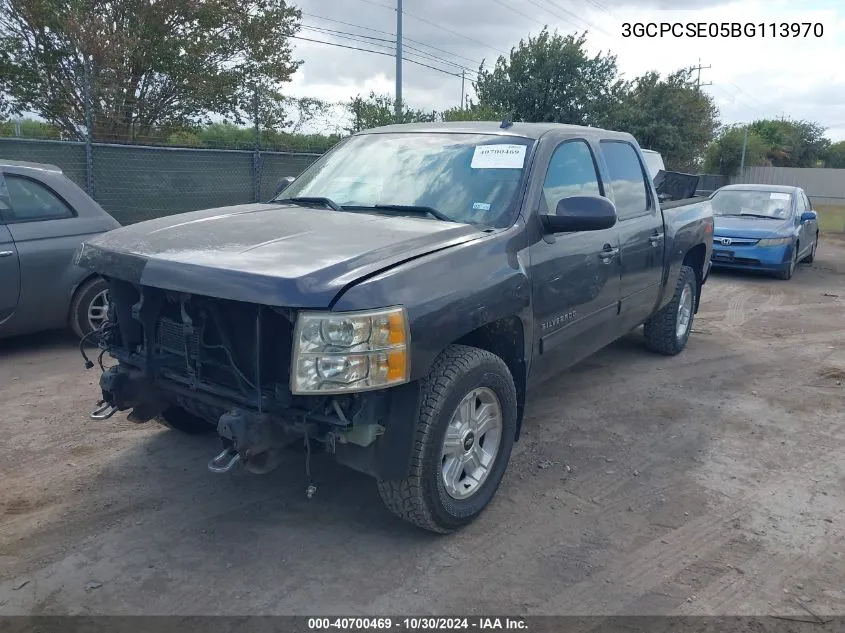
(417, 624)
(723, 29)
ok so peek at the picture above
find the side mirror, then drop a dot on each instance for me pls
(808, 216)
(581, 213)
(284, 183)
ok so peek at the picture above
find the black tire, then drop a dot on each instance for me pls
(88, 292)
(786, 273)
(661, 330)
(178, 419)
(809, 259)
(421, 497)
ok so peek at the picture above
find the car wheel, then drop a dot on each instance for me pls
(667, 332)
(462, 441)
(786, 273)
(89, 307)
(812, 256)
(179, 419)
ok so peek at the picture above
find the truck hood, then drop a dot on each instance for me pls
(756, 228)
(272, 254)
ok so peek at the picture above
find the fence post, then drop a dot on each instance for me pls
(89, 150)
(256, 155)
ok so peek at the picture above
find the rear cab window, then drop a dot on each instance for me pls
(627, 179)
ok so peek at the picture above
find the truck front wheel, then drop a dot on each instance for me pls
(667, 332)
(462, 441)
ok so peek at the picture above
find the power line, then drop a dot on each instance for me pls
(438, 26)
(390, 43)
(407, 39)
(518, 12)
(600, 7)
(560, 17)
(734, 99)
(366, 50)
(746, 94)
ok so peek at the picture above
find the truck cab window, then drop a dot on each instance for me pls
(571, 172)
(630, 190)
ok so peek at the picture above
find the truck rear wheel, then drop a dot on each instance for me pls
(179, 419)
(463, 441)
(667, 332)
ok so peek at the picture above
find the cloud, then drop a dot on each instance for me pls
(751, 77)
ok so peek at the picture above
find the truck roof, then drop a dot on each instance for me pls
(524, 130)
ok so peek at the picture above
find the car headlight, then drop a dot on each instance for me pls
(340, 352)
(774, 241)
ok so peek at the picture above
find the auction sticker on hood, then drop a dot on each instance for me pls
(498, 157)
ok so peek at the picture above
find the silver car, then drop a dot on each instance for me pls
(44, 217)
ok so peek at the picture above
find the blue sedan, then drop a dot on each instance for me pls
(763, 227)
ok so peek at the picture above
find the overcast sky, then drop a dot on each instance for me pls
(802, 78)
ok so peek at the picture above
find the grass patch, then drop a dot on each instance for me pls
(831, 217)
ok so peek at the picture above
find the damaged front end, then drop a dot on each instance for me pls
(228, 364)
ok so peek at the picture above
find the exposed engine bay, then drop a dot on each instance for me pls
(226, 363)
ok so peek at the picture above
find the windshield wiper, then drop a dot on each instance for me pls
(326, 202)
(758, 215)
(409, 208)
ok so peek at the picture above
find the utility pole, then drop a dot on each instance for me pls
(463, 78)
(398, 60)
(744, 146)
(699, 68)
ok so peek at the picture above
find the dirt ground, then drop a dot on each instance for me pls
(708, 483)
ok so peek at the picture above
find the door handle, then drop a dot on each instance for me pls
(655, 239)
(608, 253)
(6, 253)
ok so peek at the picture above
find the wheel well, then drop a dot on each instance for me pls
(76, 289)
(506, 339)
(695, 260)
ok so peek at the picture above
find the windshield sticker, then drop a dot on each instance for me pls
(779, 196)
(498, 157)
(480, 206)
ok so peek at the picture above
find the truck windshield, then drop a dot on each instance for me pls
(757, 204)
(470, 178)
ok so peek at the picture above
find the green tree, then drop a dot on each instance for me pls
(792, 143)
(154, 63)
(835, 156)
(376, 110)
(671, 116)
(724, 155)
(30, 128)
(552, 77)
(473, 112)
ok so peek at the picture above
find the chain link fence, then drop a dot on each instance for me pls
(136, 182)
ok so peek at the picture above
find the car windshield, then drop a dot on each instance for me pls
(758, 204)
(470, 178)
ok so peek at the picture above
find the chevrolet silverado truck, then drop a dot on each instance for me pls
(393, 304)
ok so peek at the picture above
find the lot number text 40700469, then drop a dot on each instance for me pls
(722, 29)
(417, 624)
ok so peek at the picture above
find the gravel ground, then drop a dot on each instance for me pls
(709, 483)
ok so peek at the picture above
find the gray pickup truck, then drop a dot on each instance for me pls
(394, 303)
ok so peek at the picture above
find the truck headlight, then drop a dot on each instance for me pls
(339, 352)
(774, 241)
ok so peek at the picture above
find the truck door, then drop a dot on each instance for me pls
(575, 276)
(640, 224)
